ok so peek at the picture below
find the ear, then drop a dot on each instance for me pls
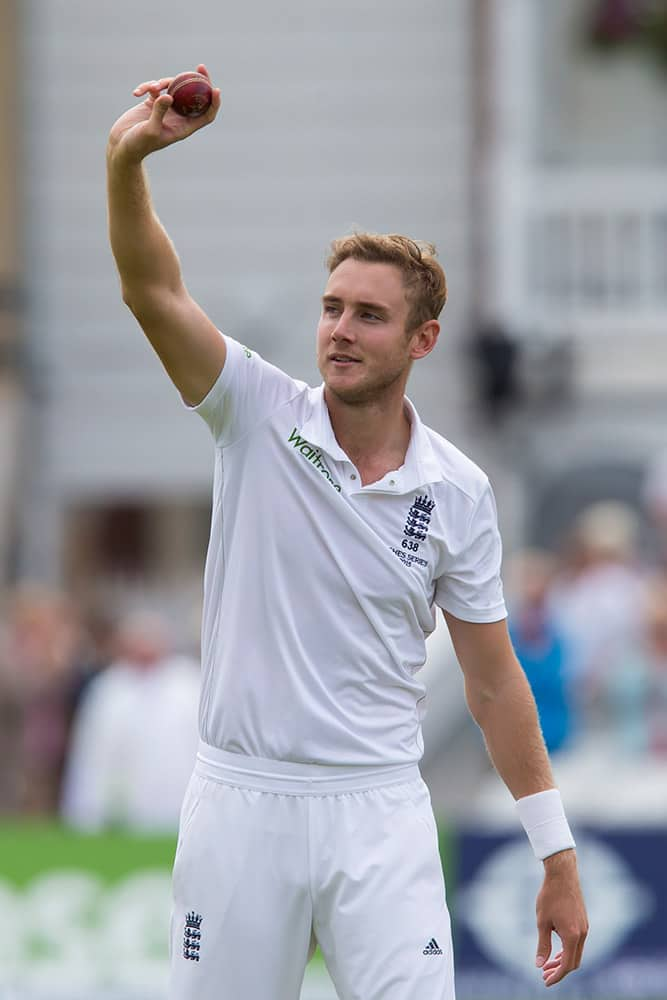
(424, 339)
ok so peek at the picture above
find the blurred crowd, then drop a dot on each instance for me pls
(98, 714)
(589, 626)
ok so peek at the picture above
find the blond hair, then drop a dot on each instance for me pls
(423, 277)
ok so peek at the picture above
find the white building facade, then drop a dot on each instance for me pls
(577, 193)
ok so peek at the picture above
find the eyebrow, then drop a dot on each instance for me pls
(373, 306)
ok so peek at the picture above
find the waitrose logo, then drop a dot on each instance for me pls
(312, 455)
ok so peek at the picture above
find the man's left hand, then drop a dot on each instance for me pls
(560, 908)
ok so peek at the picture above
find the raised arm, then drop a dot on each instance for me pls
(187, 342)
(502, 704)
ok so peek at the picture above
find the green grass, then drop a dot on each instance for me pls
(27, 850)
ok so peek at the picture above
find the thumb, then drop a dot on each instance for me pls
(160, 108)
(543, 946)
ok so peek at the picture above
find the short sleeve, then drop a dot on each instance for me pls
(471, 589)
(245, 393)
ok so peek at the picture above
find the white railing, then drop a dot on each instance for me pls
(593, 250)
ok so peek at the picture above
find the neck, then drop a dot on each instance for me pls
(374, 435)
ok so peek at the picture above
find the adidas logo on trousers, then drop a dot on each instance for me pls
(432, 948)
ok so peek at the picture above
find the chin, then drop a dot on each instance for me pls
(353, 395)
(365, 390)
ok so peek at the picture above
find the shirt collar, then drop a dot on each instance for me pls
(420, 467)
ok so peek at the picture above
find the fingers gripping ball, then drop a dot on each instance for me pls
(192, 94)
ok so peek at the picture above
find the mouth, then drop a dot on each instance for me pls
(343, 359)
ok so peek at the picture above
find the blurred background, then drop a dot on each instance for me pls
(529, 142)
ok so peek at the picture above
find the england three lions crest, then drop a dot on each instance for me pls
(419, 518)
(192, 936)
(415, 529)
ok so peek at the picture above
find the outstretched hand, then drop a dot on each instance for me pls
(560, 908)
(152, 125)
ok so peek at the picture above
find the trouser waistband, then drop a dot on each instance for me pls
(295, 778)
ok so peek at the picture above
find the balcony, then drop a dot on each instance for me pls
(592, 253)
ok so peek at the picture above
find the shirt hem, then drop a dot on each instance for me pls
(487, 616)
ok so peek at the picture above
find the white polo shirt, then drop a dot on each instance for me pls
(319, 592)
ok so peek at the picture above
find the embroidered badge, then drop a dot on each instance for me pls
(417, 522)
(192, 936)
(415, 530)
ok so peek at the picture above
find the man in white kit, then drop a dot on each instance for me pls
(339, 522)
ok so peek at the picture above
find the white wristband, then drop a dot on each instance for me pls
(544, 821)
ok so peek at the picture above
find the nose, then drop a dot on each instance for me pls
(343, 328)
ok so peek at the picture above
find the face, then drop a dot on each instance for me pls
(363, 348)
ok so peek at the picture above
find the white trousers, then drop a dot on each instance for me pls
(274, 857)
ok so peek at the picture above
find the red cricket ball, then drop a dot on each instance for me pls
(192, 94)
